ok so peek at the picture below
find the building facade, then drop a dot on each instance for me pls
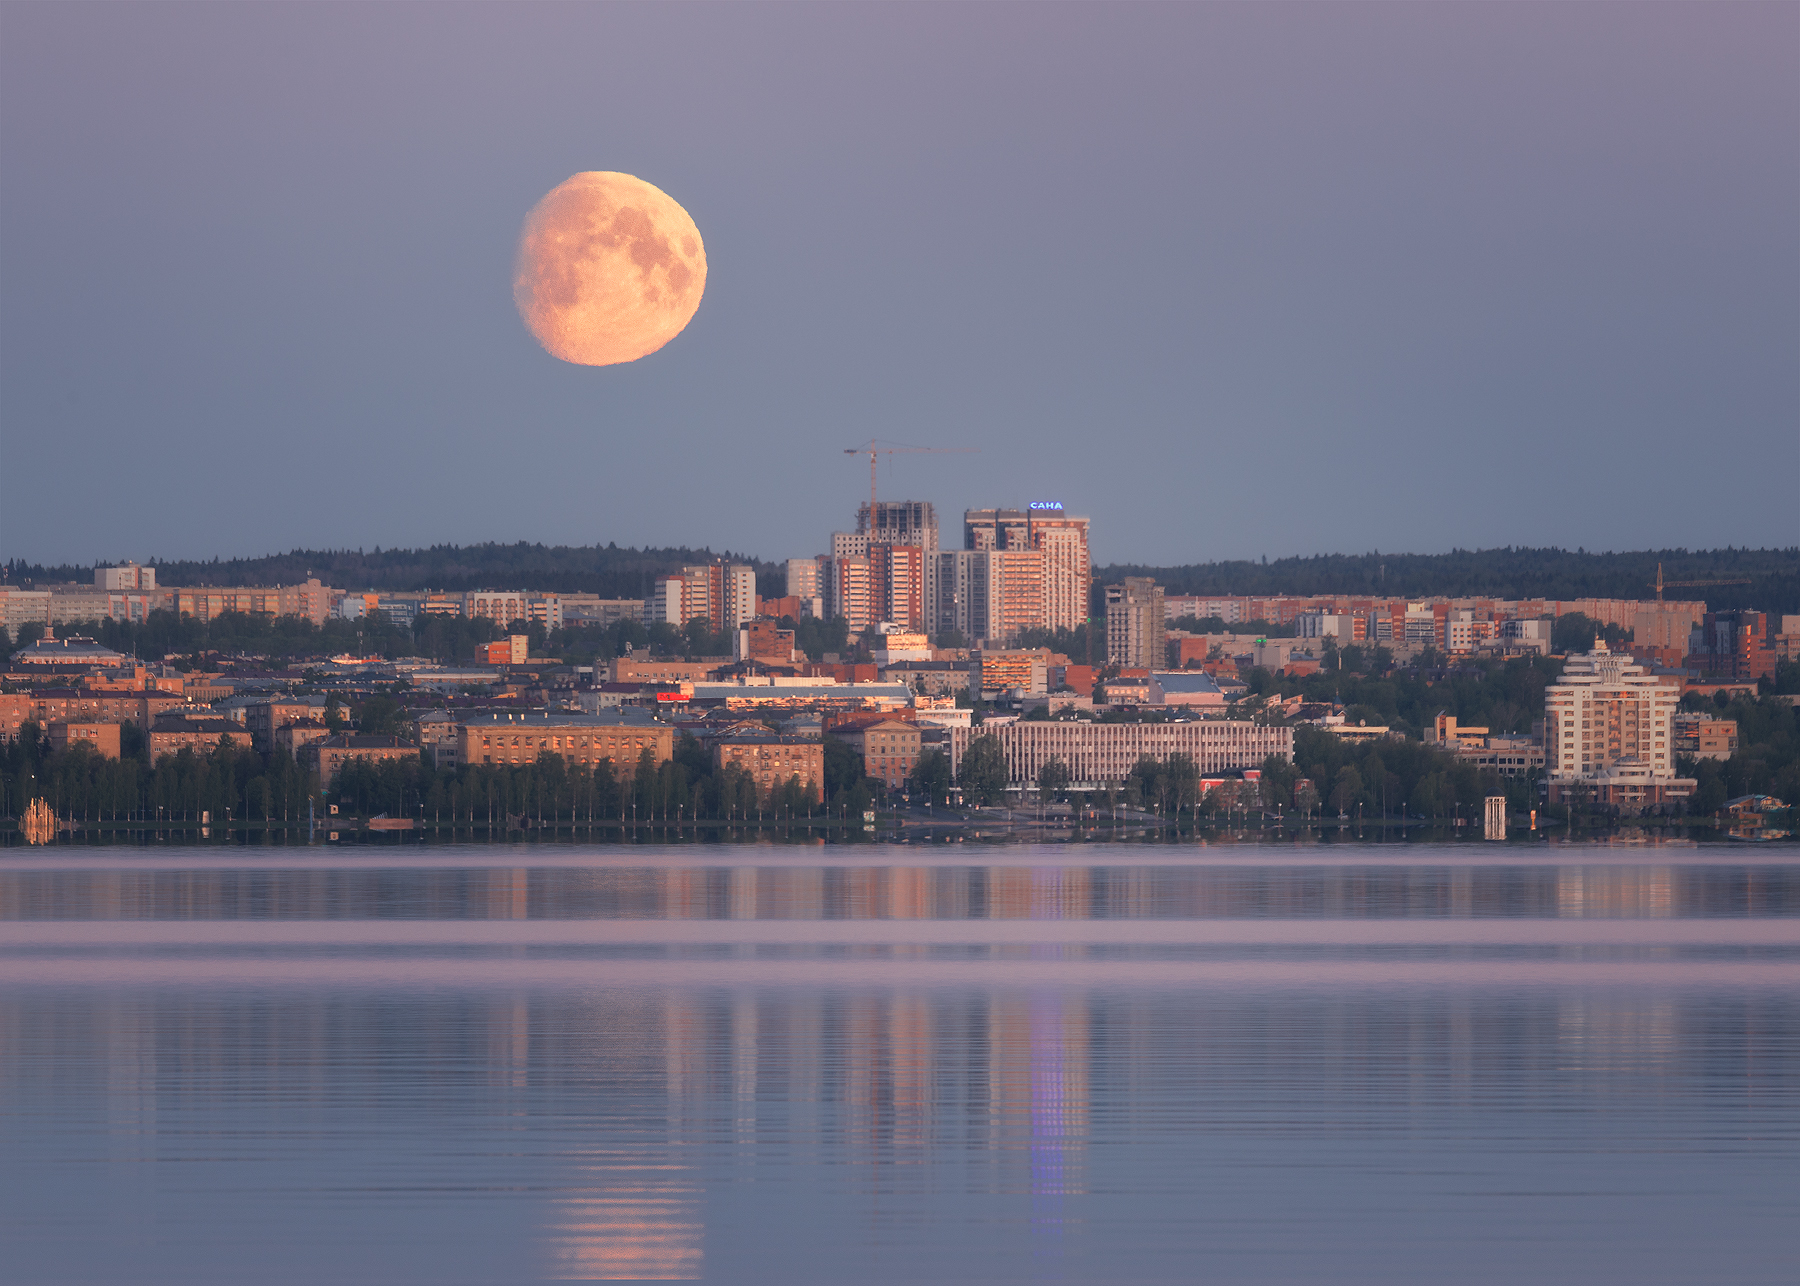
(1100, 754)
(772, 760)
(1136, 627)
(889, 749)
(1063, 571)
(520, 737)
(1609, 736)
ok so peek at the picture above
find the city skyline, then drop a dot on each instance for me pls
(1235, 281)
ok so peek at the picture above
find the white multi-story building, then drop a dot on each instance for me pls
(1099, 753)
(129, 577)
(1608, 734)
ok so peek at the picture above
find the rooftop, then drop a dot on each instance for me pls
(562, 719)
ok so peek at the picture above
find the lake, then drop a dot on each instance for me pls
(1221, 1062)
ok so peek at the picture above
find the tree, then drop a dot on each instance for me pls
(983, 770)
(1053, 778)
(1346, 792)
(379, 717)
(931, 775)
(334, 714)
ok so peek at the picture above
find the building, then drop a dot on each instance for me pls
(898, 522)
(721, 594)
(130, 576)
(766, 643)
(23, 607)
(1608, 734)
(294, 736)
(1443, 731)
(103, 737)
(1135, 624)
(1700, 736)
(514, 649)
(310, 600)
(803, 579)
(889, 749)
(988, 595)
(998, 670)
(1342, 626)
(67, 654)
(1100, 754)
(263, 718)
(509, 737)
(1507, 756)
(1193, 689)
(595, 612)
(507, 606)
(193, 730)
(849, 585)
(1063, 572)
(648, 670)
(328, 755)
(1735, 645)
(772, 760)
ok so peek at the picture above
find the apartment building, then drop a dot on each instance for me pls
(128, 577)
(1701, 736)
(1064, 572)
(773, 759)
(1136, 626)
(1608, 734)
(507, 606)
(889, 748)
(1099, 754)
(510, 737)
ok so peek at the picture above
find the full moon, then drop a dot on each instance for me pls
(609, 269)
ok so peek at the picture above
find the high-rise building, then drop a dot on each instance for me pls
(130, 576)
(1135, 629)
(721, 594)
(1060, 537)
(1608, 734)
(897, 584)
(803, 577)
(987, 594)
(899, 522)
(849, 591)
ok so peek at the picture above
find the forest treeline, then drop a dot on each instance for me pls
(614, 572)
(242, 785)
(1511, 573)
(609, 571)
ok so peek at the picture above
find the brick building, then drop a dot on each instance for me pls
(772, 760)
(520, 737)
(889, 748)
(103, 737)
(329, 754)
(172, 733)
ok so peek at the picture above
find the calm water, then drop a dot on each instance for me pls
(1082, 1063)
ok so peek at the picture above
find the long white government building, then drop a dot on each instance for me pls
(1099, 753)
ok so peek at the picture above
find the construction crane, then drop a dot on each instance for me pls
(874, 448)
(1662, 584)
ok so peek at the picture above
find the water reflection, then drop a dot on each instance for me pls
(1482, 1073)
(678, 891)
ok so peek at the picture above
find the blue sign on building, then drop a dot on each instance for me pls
(1046, 504)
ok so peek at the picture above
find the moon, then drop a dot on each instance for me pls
(609, 269)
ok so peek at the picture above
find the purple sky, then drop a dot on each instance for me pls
(1231, 280)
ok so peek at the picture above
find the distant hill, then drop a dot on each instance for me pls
(612, 572)
(608, 571)
(1774, 575)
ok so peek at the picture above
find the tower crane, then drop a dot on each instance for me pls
(873, 448)
(1661, 584)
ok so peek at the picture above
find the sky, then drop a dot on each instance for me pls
(1233, 281)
